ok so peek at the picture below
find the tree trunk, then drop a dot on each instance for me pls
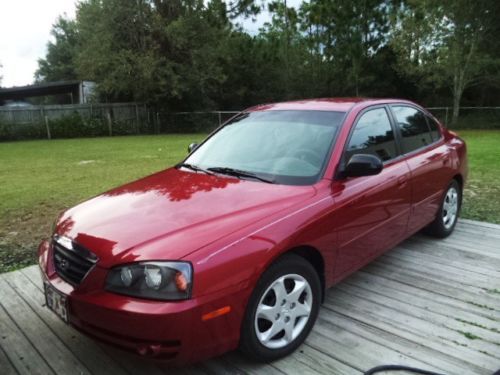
(456, 107)
(458, 89)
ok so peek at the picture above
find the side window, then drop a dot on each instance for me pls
(413, 126)
(373, 135)
(435, 131)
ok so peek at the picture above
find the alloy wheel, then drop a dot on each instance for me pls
(283, 311)
(450, 208)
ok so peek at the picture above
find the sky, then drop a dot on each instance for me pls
(25, 30)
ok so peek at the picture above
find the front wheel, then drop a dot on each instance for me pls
(447, 216)
(282, 309)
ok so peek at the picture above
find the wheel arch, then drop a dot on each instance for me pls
(315, 258)
(460, 180)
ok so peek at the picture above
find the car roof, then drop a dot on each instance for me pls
(324, 104)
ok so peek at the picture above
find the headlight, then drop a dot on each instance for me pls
(168, 281)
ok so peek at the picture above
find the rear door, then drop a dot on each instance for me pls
(429, 160)
(371, 211)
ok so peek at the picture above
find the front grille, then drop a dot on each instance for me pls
(72, 264)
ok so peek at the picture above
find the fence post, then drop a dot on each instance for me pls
(220, 119)
(47, 127)
(158, 120)
(446, 118)
(137, 119)
(110, 125)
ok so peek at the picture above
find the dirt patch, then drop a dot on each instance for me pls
(20, 234)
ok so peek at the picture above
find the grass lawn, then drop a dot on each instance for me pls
(482, 192)
(38, 179)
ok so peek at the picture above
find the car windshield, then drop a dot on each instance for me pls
(286, 147)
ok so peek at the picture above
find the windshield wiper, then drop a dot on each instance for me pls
(239, 173)
(193, 168)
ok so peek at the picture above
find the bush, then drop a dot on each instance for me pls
(14, 132)
(73, 126)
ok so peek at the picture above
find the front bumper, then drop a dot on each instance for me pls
(173, 331)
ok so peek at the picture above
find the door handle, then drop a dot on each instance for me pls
(402, 180)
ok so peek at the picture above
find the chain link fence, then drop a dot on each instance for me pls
(93, 120)
(192, 122)
(469, 117)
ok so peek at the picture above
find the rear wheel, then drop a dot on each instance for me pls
(447, 217)
(282, 309)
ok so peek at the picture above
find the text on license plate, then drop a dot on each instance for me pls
(57, 302)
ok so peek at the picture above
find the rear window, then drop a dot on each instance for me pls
(413, 127)
(433, 125)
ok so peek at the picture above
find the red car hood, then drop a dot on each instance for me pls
(172, 213)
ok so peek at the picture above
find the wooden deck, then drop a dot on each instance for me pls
(433, 304)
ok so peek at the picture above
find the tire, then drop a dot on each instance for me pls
(275, 322)
(447, 216)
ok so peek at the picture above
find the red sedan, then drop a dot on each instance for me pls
(235, 246)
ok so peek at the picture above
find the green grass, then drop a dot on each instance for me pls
(482, 192)
(38, 179)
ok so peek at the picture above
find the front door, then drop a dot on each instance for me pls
(371, 212)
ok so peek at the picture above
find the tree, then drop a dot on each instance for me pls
(347, 34)
(195, 54)
(445, 44)
(117, 49)
(161, 52)
(59, 63)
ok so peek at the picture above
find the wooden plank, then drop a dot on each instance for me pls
(431, 335)
(440, 271)
(470, 250)
(33, 274)
(97, 361)
(21, 353)
(402, 345)
(487, 243)
(474, 248)
(477, 232)
(132, 363)
(354, 350)
(314, 360)
(6, 366)
(455, 259)
(423, 298)
(455, 255)
(483, 224)
(50, 347)
(486, 335)
(476, 296)
(216, 366)
(248, 366)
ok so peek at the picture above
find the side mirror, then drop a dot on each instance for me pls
(363, 165)
(192, 147)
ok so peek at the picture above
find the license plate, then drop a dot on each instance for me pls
(57, 302)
